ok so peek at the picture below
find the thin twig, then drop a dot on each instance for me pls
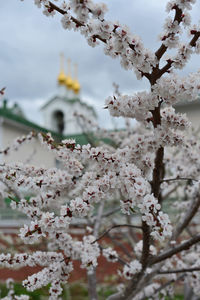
(170, 62)
(169, 253)
(115, 226)
(169, 192)
(179, 271)
(121, 246)
(187, 218)
(178, 178)
(120, 260)
(111, 212)
(52, 6)
(178, 18)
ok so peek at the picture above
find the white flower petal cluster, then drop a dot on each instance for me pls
(170, 37)
(156, 219)
(89, 252)
(24, 259)
(89, 18)
(182, 57)
(138, 106)
(173, 89)
(48, 275)
(79, 207)
(182, 4)
(110, 254)
(133, 268)
(174, 120)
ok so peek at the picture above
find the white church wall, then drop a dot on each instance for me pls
(31, 153)
(49, 110)
(71, 126)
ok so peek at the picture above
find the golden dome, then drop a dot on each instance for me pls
(69, 82)
(68, 79)
(76, 85)
(61, 77)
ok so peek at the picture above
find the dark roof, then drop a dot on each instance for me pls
(70, 101)
(6, 113)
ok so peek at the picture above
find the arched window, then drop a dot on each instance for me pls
(58, 118)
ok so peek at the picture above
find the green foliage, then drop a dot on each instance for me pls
(19, 290)
(73, 291)
(177, 297)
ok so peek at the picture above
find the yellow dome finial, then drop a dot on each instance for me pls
(76, 85)
(68, 80)
(61, 76)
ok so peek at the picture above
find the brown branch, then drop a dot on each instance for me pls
(170, 62)
(177, 178)
(115, 226)
(179, 271)
(12, 189)
(189, 232)
(178, 17)
(158, 173)
(146, 244)
(169, 253)
(194, 39)
(2, 91)
(155, 186)
(52, 7)
(188, 217)
(157, 73)
(120, 260)
(159, 53)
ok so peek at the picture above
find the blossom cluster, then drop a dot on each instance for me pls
(89, 18)
(110, 254)
(128, 176)
(174, 120)
(173, 88)
(138, 106)
(133, 268)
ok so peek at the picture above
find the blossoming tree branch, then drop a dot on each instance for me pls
(133, 177)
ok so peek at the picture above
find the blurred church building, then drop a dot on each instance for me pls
(59, 118)
(59, 112)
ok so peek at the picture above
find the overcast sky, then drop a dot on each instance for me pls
(30, 44)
